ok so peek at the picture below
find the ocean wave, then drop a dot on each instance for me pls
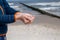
(46, 3)
(50, 8)
(11, 3)
(42, 4)
(14, 6)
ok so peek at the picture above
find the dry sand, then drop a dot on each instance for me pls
(43, 28)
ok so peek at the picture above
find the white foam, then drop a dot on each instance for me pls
(46, 3)
(14, 6)
(11, 3)
(49, 8)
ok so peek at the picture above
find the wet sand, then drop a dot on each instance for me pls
(43, 28)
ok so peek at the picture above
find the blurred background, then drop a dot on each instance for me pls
(43, 28)
(49, 5)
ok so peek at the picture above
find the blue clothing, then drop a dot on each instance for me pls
(2, 37)
(6, 17)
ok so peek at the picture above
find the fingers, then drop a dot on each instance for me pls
(29, 19)
(26, 21)
(26, 18)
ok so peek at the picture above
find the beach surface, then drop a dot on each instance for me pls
(43, 28)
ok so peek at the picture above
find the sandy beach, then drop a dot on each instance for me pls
(43, 28)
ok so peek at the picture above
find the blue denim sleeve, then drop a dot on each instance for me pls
(9, 17)
(5, 19)
(9, 10)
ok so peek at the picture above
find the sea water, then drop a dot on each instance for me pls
(52, 7)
